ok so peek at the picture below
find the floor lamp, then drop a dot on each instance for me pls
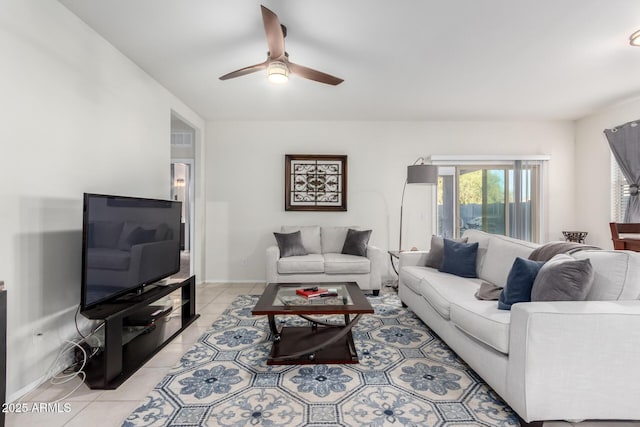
(417, 174)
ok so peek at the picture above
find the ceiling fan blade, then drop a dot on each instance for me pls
(273, 30)
(311, 74)
(246, 70)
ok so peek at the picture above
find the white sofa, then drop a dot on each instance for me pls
(324, 261)
(569, 360)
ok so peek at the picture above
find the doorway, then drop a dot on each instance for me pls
(182, 191)
(182, 174)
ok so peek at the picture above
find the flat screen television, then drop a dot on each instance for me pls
(127, 243)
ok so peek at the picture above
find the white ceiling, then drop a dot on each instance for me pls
(401, 60)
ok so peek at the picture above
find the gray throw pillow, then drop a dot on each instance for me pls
(290, 244)
(563, 278)
(436, 252)
(356, 242)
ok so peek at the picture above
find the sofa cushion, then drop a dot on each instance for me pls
(459, 258)
(356, 242)
(615, 275)
(290, 244)
(310, 236)
(332, 239)
(411, 276)
(441, 289)
(519, 283)
(436, 251)
(346, 264)
(563, 278)
(483, 321)
(483, 243)
(311, 263)
(501, 253)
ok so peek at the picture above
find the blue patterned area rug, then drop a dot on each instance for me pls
(406, 377)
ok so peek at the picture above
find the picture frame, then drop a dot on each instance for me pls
(315, 182)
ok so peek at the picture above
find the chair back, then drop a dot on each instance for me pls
(629, 243)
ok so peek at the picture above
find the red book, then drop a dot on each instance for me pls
(312, 294)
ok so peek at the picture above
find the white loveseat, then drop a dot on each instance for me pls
(324, 261)
(569, 360)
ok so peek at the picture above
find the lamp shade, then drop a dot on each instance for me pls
(422, 174)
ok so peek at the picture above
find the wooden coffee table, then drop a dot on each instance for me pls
(320, 341)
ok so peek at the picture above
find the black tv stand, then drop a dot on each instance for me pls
(136, 328)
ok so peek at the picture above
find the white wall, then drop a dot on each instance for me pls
(245, 179)
(178, 152)
(593, 169)
(77, 116)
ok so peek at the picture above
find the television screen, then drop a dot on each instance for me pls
(127, 243)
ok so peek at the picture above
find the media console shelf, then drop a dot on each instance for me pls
(134, 331)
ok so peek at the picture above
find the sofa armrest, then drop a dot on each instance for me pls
(567, 357)
(412, 258)
(271, 262)
(378, 261)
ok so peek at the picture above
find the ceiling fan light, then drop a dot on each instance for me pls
(278, 72)
(634, 39)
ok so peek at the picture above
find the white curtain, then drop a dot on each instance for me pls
(624, 142)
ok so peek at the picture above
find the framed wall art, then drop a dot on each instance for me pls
(315, 182)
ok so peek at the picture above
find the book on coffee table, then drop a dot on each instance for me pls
(312, 293)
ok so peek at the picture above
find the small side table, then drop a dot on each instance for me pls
(575, 236)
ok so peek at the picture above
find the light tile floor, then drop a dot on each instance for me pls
(108, 408)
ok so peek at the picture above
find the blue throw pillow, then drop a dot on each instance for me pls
(459, 258)
(519, 282)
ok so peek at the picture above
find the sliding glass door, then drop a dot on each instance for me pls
(499, 199)
(481, 201)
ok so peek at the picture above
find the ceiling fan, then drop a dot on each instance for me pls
(277, 64)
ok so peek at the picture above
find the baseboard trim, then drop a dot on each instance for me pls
(24, 391)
